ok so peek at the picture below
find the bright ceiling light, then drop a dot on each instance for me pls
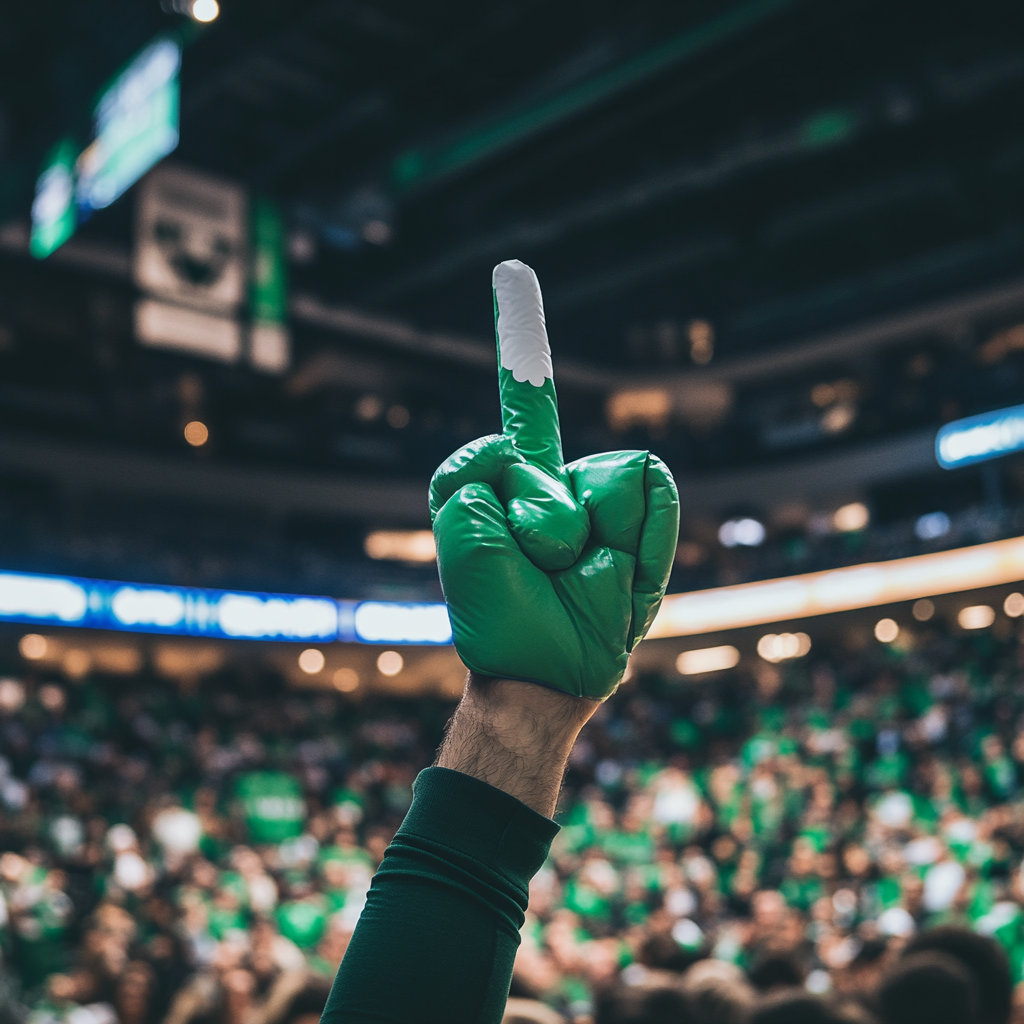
(390, 663)
(33, 646)
(401, 545)
(1014, 605)
(838, 418)
(196, 433)
(745, 532)
(312, 661)
(976, 616)
(851, 518)
(345, 679)
(932, 525)
(644, 407)
(12, 695)
(707, 659)
(775, 647)
(886, 631)
(205, 11)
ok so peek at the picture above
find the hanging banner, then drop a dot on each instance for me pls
(269, 338)
(190, 239)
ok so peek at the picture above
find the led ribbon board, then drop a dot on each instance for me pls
(228, 614)
(978, 438)
(192, 611)
(839, 590)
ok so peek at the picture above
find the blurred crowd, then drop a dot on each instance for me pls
(769, 833)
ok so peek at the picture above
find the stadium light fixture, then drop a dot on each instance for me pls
(312, 661)
(639, 407)
(976, 616)
(776, 647)
(742, 532)
(32, 646)
(196, 433)
(345, 679)
(401, 545)
(205, 11)
(886, 630)
(12, 695)
(851, 518)
(707, 659)
(390, 663)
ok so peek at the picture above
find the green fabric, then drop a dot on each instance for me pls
(273, 805)
(552, 573)
(303, 921)
(437, 939)
(221, 921)
(801, 893)
(582, 900)
(628, 847)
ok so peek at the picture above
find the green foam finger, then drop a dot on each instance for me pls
(529, 406)
(551, 573)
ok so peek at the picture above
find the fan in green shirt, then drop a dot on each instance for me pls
(303, 920)
(273, 806)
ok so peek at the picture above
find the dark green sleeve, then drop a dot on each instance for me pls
(437, 939)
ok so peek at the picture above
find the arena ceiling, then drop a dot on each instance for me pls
(832, 187)
(773, 166)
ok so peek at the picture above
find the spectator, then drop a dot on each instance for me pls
(792, 1006)
(718, 993)
(929, 988)
(155, 840)
(642, 1004)
(983, 957)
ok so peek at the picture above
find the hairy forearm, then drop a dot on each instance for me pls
(516, 737)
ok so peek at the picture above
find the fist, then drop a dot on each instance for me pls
(552, 573)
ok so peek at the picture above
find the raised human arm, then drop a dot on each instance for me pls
(552, 575)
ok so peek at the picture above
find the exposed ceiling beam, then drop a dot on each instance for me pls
(941, 317)
(810, 133)
(419, 167)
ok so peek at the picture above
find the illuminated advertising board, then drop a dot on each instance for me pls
(227, 614)
(979, 438)
(135, 124)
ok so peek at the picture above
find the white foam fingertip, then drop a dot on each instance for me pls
(522, 334)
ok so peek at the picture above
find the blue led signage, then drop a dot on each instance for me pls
(193, 611)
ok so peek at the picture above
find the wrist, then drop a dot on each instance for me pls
(515, 736)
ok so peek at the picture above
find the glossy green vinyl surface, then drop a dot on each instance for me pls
(552, 573)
